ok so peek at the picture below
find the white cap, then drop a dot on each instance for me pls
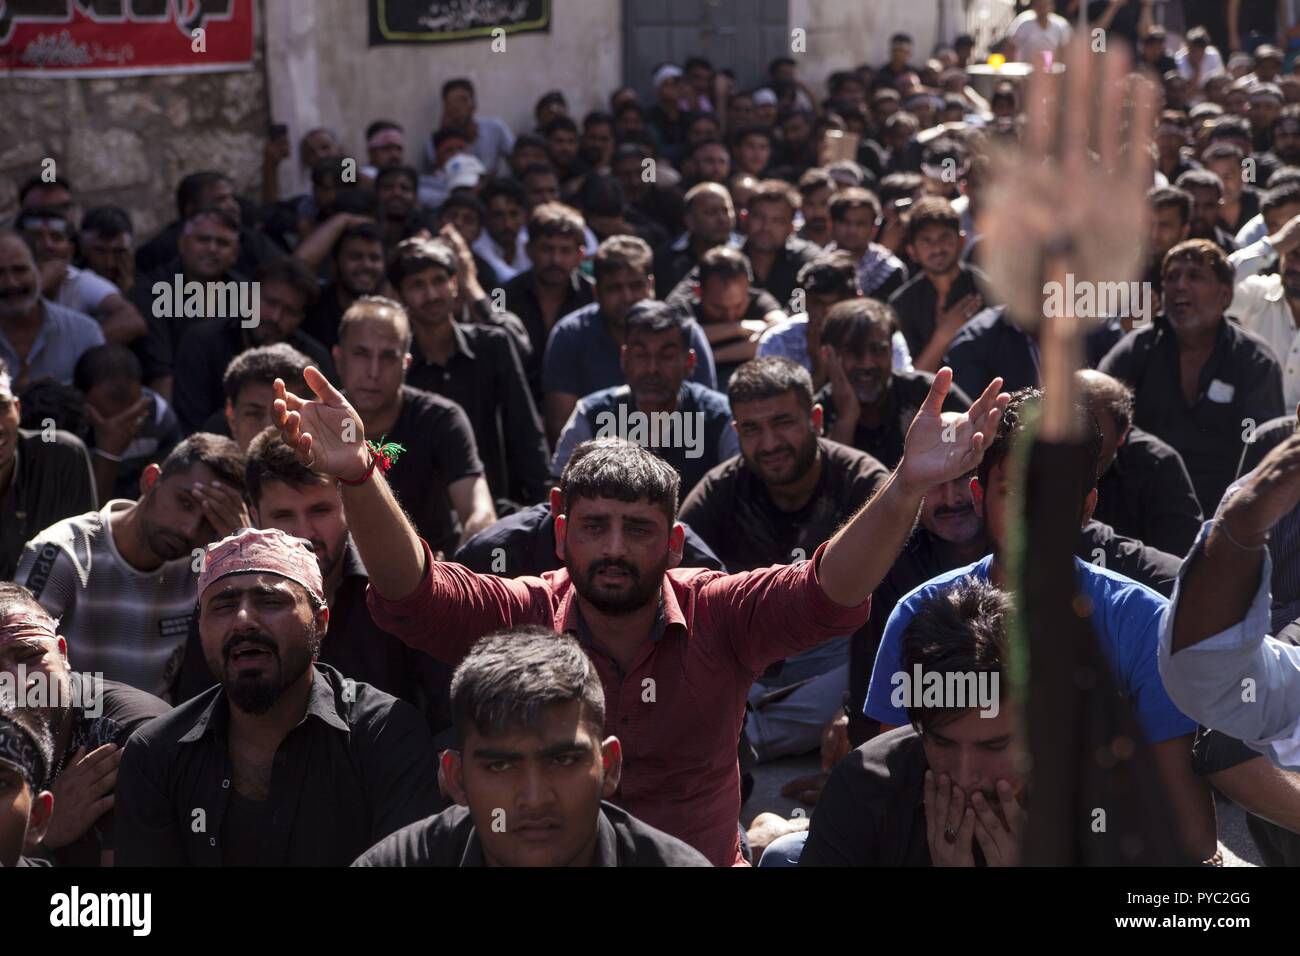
(464, 169)
(764, 97)
(666, 72)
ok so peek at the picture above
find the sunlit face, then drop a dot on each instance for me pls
(712, 163)
(991, 503)
(534, 794)
(1206, 203)
(724, 300)
(313, 512)
(250, 412)
(505, 217)
(936, 248)
(616, 552)
(1229, 173)
(563, 147)
(372, 360)
(429, 296)
(554, 259)
(620, 289)
(50, 240)
(753, 154)
(1193, 296)
(1286, 140)
(976, 752)
(770, 225)
(948, 512)
(359, 266)
(171, 518)
(110, 256)
(1167, 230)
(208, 249)
(816, 208)
(44, 661)
(540, 188)
(260, 634)
(871, 371)
(465, 219)
(778, 437)
(711, 217)
(396, 195)
(855, 230)
(655, 364)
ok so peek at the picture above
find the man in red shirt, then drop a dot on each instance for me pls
(677, 649)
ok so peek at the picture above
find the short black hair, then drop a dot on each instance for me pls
(270, 459)
(415, 255)
(830, 272)
(38, 181)
(558, 123)
(106, 363)
(293, 273)
(770, 377)
(624, 471)
(504, 187)
(1012, 426)
(653, 316)
(1171, 197)
(365, 231)
(1282, 194)
(264, 365)
(1200, 179)
(460, 200)
(191, 187)
(959, 631)
(726, 263)
(849, 323)
(457, 83)
(379, 125)
(409, 173)
(218, 452)
(509, 677)
(107, 221)
(1099, 390)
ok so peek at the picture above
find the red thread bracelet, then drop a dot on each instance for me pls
(374, 460)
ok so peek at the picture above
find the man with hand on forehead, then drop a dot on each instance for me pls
(286, 762)
(25, 805)
(90, 720)
(533, 769)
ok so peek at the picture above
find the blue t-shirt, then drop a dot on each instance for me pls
(582, 357)
(1126, 617)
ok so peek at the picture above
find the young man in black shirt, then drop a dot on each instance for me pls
(357, 261)
(866, 403)
(439, 479)
(529, 708)
(1196, 376)
(249, 386)
(286, 763)
(90, 721)
(945, 791)
(710, 221)
(474, 365)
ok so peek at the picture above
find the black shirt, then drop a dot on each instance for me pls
(872, 811)
(157, 349)
(1147, 494)
(1134, 559)
(449, 839)
(323, 318)
(524, 544)
(521, 299)
(122, 710)
(779, 281)
(486, 379)
(357, 647)
(1240, 380)
(359, 766)
(917, 299)
(440, 450)
(731, 509)
(990, 345)
(254, 250)
(903, 399)
(205, 349)
(51, 481)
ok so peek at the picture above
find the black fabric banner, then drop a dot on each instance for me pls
(444, 21)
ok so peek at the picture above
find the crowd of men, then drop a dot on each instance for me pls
(508, 502)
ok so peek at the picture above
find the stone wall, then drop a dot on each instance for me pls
(128, 141)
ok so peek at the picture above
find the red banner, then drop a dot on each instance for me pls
(124, 37)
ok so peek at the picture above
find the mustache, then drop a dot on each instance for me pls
(954, 512)
(257, 638)
(616, 564)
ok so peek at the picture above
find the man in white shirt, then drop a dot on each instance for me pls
(1268, 304)
(1197, 60)
(1038, 31)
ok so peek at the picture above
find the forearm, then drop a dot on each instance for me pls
(315, 248)
(931, 357)
(1188, 796)
(388, 545)
(1218, 588)
(862, 552)
(740, 350)
(1264, 790)
(105, 472)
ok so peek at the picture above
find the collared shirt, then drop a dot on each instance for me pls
(450, 839)
(205, 350)
(1240, 380)
(673, 261)
(84, 290)
(486, 247)
(524, 544)
(1207, 680)
(1147, 494)
(880, 272)
(916, 302)
(779, 282)
(357, 767)
(1125, 616)
(789, 339)
(51, 481)
(582, 357)
(1260, 304)
(485, 378)
(679, 708)
(62, 338)
(521, 299)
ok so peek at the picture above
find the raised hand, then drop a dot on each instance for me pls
(326, 433)
(941, 446)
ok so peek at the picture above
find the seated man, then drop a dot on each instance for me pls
(733, 312)
(786, 491)
(351, 764)
(946, 790)
(710, 222)
(530, 702)
(676, 648)
(248, 384)
(357, 261)
(1197, 377)
(684, 423)
(25, 802)
(869, 405)
(1144, 490)
(855, 223)
(132, 425)
(1125, 616)
(285, 290)
(582, 353)
(41, 482)
(523, 544)
(90, 720)
(120, 581)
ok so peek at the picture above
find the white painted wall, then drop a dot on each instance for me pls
(321, 72)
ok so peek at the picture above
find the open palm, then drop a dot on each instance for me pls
(326, 433)
(941, 446)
